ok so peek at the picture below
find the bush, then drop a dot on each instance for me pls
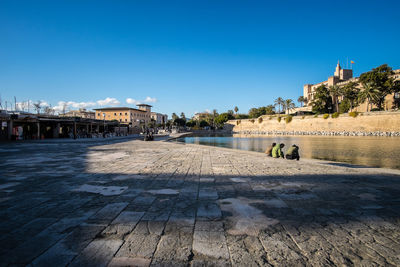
(252, 120)
(353, 114)
(316, 116)
(335, 115)
(288, 118)
(326, 115)
(260, 120)
(303, 117)
(270, 117)
(344, 106)
(238, 122)
(279, 119)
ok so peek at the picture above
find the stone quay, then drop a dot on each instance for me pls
(136, 203)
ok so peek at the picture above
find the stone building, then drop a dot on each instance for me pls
(126, 115)
(340, 78)
(340, 75)
(159, 118)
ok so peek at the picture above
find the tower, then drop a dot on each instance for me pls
(337, 70)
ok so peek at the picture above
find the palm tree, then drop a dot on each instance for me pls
(279, 102)
(289, 105)
(370, 93)
(301, 100)
(335, 92)
(236, 109)
(38, 106)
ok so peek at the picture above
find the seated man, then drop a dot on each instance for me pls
(269, 150)
(277, 151)
(293, 152)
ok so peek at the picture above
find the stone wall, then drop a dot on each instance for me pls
(383, 123)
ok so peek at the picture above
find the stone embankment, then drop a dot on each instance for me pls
(327, 133)
(365, 124)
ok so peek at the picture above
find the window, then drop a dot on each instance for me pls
(120, 113)
(99, 114)
(126, 120)
(115, 114)
(120, 120)
(126, 113)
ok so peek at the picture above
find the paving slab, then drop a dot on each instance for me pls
(133, 203)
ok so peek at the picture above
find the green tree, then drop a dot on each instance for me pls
(174, 116)
(270, 109)
(230, 112)
(380, 79)
(204, 123)
(222, 118)
(279, 102)
(335, 92)
(350, 93)
(191, 123)
(369, 93)
(179, 122)
(301, 100)
(289, 105)
(236, 109)
(183, 116)
(322, 101)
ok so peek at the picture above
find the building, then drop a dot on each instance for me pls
(340, 75)
(159, 118)
(340, 78)
(81, 113)
(126, 115)
(201, 116)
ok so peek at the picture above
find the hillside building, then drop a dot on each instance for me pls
(340, 78)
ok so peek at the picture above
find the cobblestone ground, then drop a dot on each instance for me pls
(138, 203)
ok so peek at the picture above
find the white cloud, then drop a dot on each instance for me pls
(66, 105)
(150, 99)
(132, 101)
(108, 101)
(208, 111)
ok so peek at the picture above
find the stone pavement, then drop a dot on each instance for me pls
(135, 203)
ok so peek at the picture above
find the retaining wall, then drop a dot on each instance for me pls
(382, 124)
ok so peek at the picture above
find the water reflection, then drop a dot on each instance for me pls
(368, 151)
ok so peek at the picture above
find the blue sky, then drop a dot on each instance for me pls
(186, 56)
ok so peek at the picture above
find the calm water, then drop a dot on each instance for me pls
(362, 150)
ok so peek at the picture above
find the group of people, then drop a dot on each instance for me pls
(275, 151)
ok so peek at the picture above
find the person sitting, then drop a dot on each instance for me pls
(277, 151)
(293, 152)
(269, 150)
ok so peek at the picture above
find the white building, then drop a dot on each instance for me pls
(159, 118)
